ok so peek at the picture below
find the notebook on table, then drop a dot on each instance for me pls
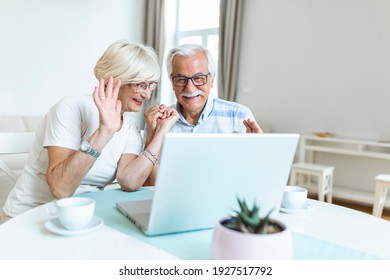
(200, 177)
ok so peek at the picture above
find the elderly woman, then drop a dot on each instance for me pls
(86, 142)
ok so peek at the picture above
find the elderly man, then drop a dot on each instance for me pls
(192, 70)
(200, 111)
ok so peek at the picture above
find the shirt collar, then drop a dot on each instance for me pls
(205, 113)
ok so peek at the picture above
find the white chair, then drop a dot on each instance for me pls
(382, 182)
(14, 146)
(302, 174)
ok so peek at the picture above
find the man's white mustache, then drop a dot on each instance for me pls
(192, 94)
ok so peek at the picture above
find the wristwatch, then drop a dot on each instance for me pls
(86, 148)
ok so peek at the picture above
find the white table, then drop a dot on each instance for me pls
(344, 226)
(25, 237)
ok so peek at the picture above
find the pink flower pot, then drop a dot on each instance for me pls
(229, 244)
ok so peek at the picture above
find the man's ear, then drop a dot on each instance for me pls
(211, 82)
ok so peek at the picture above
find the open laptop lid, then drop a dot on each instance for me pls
(201, 175)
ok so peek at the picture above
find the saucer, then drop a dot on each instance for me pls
(306, 208)
(55, 226)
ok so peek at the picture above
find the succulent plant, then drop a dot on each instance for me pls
(249, 221)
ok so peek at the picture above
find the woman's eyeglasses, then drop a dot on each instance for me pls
(142, 87)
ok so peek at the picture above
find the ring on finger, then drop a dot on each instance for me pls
(102, 98)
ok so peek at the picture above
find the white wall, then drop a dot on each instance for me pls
(321, 65)
(306, 65)
(318, 65)
(49, 48)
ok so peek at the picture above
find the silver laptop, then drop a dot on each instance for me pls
(200, 177)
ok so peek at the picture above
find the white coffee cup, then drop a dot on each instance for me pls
(74, 213)
(294, 197)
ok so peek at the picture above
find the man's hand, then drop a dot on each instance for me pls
(252, 126)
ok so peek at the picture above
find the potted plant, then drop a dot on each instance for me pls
(246, 235)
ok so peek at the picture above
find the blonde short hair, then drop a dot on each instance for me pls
(129, 63)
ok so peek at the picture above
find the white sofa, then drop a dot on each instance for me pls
(14, 161)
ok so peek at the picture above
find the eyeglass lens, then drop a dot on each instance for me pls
(198, 80)
(152, 86)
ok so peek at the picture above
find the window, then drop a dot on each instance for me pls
(196, 22)
(193, 28)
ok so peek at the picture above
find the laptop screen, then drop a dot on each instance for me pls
(200, 177)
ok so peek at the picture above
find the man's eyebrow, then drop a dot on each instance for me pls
(196, 74)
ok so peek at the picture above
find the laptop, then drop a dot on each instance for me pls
(200, 177)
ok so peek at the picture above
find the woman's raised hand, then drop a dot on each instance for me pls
(106, 100)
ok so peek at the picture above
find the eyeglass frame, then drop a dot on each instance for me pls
(190, 78)
(142, 87)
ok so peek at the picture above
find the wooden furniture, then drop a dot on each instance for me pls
(303, 174)
(369, 157)
(351, 147)
(382, 182)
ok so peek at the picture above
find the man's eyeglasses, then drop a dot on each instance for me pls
(142, 87)
(197, 80)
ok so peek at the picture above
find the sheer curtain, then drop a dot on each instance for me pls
(154, 37)
(229, 46)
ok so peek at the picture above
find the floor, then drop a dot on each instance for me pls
(363, 208)
(359, 207)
